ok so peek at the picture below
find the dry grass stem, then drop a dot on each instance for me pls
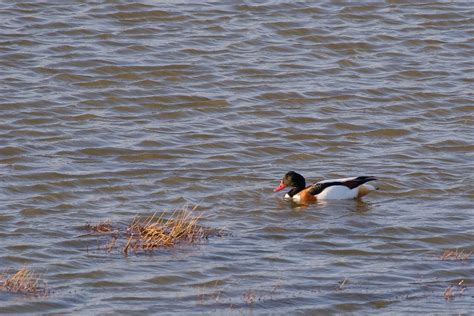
(448, 293)
(341, 284)
(24, 281)
(456, 255)
(214, 296)
(112, 243)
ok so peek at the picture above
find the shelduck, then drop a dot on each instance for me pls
(334, 189)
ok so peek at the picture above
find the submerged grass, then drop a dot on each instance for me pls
(101, 227)
(453, 291)
(23, 281)
(456, 255)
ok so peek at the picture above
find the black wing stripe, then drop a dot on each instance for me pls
(351, 184)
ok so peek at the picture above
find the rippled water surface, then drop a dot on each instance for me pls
(115, 109)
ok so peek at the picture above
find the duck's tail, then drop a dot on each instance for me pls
(365, 189)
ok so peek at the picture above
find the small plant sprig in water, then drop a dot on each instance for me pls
(24, 281)
(450, 292)
(340, 285)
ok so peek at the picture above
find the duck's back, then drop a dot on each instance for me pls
(335, 189)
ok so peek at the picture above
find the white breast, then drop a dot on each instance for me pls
(338, 192)
(296, 198)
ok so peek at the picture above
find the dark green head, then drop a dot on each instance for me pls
(293, 180)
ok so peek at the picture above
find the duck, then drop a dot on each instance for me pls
(333, 189)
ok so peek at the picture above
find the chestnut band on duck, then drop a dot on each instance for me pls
(347, 188)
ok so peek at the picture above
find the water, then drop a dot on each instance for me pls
(111, 110)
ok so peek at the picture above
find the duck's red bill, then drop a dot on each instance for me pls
(280, 187)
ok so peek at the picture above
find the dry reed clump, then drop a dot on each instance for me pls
(155, 232)
(456, 255)
(24, 281)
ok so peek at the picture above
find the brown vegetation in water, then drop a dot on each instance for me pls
(154, 232)
(456, 255)
(101, 227)
(454, 290)
(249, 297)
(23, 281)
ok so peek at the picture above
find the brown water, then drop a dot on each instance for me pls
(114, 110)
